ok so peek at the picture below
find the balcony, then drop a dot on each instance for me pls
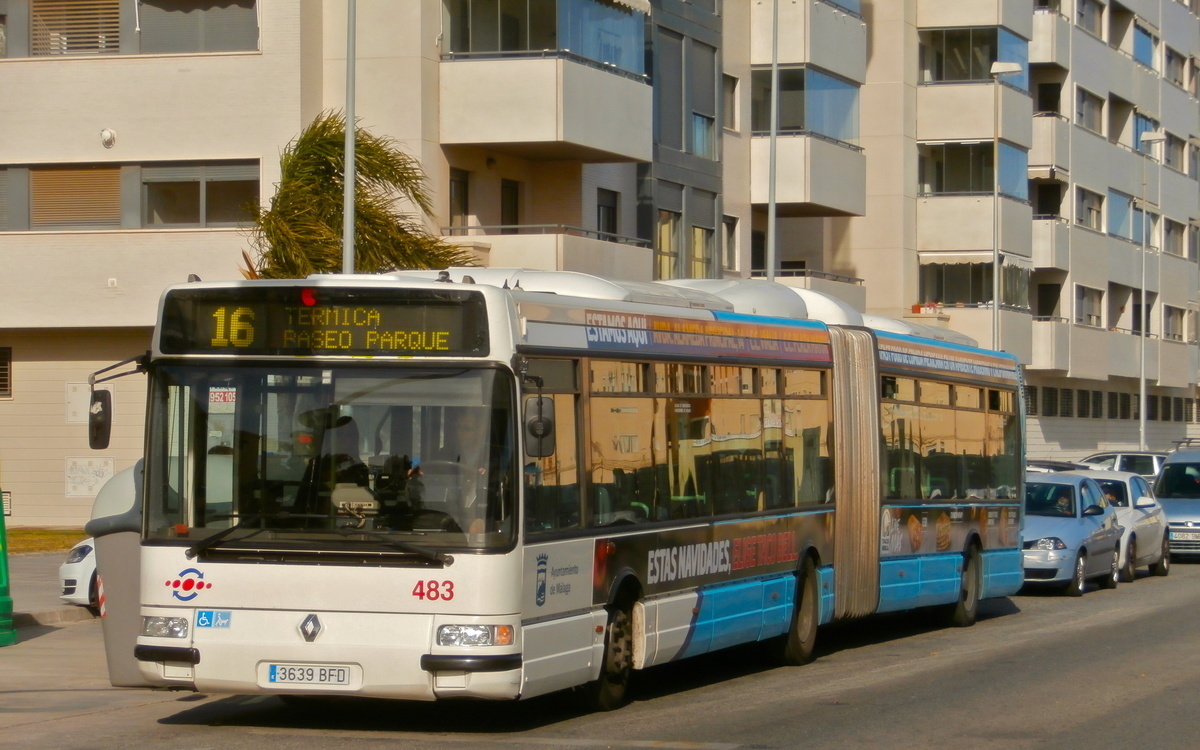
(553, 108)
(804, 162)
(1051, 43)
(1051, 344)
(1051, 242)
(975, 321)
(821, 33)
(963, 223)
(960, 111)
(1050, 156)
(556, 247)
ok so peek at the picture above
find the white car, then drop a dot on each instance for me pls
(78, 575)
(1144, 540)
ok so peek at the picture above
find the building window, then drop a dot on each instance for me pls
(1174, 153)
(197, 26)
(703, 253)
(1031, 401)
(953, 168)
(81, 197)
(206, 195)
(1049, 402)
(670, 240)
(809, 102)
(599, 31)
(606, 212)
(702, 86)
(1089, 209)
(1121, 216)
(730, 257)
(1089, 111)
(460, 206)
(1175, 67)
(729, 102)
(70, 27)
(5, 372)
(955, 55)
(1173, 237)
(510, 206)
(1097, 405)
(1088, 306)
(3, 199)
(1083, 403)
(1143, 45)
(954, 283)
(1141, 125)
(1173, 318)
(1089, 14)
(1126, 410)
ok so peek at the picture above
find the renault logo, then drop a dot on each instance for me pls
(310, 628)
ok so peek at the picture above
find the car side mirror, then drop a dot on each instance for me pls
(100, 420)
(1093, 510)
(1144, 502)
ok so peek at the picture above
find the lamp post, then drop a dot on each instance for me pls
(998, 70)
(1147, 137)
(351, 132)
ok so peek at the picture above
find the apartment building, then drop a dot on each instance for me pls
(849, 144)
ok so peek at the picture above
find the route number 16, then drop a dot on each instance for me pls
(235, 329)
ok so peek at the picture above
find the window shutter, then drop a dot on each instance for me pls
(198, 26)
(75, 27)
(75, 198)
(5, 372)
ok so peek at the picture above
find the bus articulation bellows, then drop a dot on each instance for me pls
(503, 483)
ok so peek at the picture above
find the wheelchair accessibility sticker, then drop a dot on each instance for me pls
(213, 618)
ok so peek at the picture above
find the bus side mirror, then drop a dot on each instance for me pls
(100, 420)
(539, 426)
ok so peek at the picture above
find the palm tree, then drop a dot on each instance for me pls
(301, 232)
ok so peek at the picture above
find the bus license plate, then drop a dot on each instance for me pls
(1186, 536)
(308, 674)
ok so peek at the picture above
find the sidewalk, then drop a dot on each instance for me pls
(35, 586)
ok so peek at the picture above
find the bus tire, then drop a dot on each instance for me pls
(964, 612)
(609, 692)
(802, 635)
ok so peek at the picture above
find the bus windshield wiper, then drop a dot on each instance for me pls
(402, 546)
(211, 541)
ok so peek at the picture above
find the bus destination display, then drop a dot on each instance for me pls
(324, 321)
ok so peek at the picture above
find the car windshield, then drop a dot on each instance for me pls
(1046, 499)
(1178, 480)
(1115, 492)
(343, 458)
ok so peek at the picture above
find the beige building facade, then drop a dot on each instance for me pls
(627, 138)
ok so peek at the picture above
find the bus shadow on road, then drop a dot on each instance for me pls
(367, 715)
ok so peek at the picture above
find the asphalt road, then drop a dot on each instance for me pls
(1113, 669)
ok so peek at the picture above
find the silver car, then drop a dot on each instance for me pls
(1144, 539)
(1071, 533)
(1178, 491)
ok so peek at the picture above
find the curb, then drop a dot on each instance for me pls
(57, 616)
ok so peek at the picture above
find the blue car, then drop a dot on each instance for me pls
(1071, 533)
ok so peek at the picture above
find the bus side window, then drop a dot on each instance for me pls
(552, 501)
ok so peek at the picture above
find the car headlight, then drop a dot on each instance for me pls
(77, 554)
(1050, 542)
(475, 635)
(165, 627)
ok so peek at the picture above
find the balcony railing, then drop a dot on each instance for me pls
(795, 273)
(562, 54)
(509, 229)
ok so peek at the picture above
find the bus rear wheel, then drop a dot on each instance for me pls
(802, 635)
(609, 692)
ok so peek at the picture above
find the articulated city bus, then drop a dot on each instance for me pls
(502, 483)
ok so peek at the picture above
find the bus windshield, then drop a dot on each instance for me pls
(296, 460)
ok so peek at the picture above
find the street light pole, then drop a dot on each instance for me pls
(998, 69)
(351, 131)
(1147, 137)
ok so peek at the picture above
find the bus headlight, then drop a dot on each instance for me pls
(165, 627)
(475, 635)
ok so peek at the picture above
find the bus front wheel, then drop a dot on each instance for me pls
(802, 635)
(609, 691)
